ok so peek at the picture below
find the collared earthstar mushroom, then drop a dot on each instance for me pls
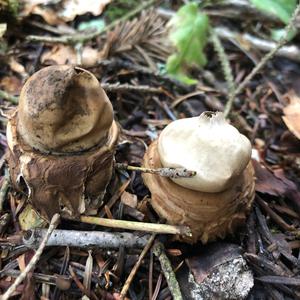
(217, 199)
(61, 141)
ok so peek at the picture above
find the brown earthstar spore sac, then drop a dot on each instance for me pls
(61, 141)
(218, 199)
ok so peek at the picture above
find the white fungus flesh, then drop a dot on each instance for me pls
(209, 145)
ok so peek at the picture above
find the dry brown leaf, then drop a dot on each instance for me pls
(59, 55)
(87, 278)
(39, 7)
(66, 55)
(267, 182)
(129, 199)
(11, 84)
(291, 116)
(21, 262)
(73, 8)
(275, 183)
(65, 11)
(17, 67)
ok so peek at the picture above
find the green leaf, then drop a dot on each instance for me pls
(283, 9)
(185, 79)
(96, 24)
(277, 34)
(189, 31)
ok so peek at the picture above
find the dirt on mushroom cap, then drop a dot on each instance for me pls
(63, 109)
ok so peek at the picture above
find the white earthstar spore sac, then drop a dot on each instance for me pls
(209, 145)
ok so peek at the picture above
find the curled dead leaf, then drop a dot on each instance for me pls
(65, 11)
(62, 54)
(129, 199)
(11, 84)
(73, 8)
(291, 116)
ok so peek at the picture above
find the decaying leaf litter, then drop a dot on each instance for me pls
(128, 58)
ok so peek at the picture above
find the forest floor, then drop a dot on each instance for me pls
(127, 50)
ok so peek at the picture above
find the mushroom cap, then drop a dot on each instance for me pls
(63, 109)
(208, 145)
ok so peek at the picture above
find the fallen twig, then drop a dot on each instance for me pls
(135, 268)
(280, 280)
(117, 87)
(158, 250)
(84, 37)
(239, 9)
(275, 217)
(263, 61)
(140, 226)
(89, 294)
(54, 222)
(114, 198)
(267, 264)
(109, 87)
(85, 239)
(289, 51)
(165, 172)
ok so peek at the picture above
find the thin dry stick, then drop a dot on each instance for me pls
(54, 222)
(84, 37)
(117, 87)
(140, 226)
(135, 268)
(165, 172)
(89, 294)
(114, 198)
(109, 87)
(4, 189)
(263, 61)
(158, 250)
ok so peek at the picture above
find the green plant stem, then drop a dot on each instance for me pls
(158, 250)
(263, 61)
(227, 71)
(84, 37)
(9, 97)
